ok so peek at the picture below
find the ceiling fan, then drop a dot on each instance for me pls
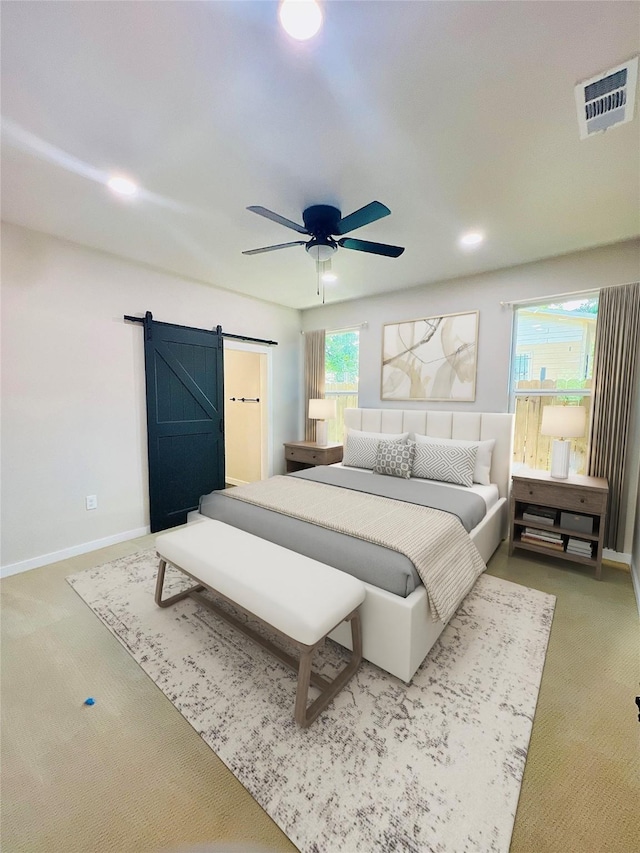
(322, 223)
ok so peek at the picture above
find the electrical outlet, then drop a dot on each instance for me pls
(91, 501)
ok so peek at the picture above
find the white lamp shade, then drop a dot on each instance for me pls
(564, 421)
(320, 410)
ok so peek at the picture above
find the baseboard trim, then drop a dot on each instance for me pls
(74, 551)
(235, 482)
(616, 556)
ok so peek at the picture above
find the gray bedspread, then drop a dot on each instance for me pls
(468, 506)
(382, 567)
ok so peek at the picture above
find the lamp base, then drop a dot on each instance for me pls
(322, 428)
(560, 453)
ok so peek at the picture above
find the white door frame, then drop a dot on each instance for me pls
(267, 448)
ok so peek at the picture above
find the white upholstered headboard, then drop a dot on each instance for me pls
(471, 426)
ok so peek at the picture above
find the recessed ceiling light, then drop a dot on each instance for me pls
(122, 186)
(329, 277)
(301, 19)
(471, 239)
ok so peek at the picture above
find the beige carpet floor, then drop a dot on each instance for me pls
(130, 774)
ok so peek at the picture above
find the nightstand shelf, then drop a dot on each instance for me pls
(307, 454)
(583, 498)
(562, 555)
(566, 531)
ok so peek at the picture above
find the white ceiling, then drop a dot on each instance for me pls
(455, 115)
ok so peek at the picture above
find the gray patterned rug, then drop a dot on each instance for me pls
(434, 766)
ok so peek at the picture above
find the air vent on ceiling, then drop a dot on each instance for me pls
(607, 99)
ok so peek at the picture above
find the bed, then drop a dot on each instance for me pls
(397, 624)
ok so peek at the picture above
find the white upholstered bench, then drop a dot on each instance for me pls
(302, 599)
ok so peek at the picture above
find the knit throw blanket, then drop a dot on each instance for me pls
(445, 558)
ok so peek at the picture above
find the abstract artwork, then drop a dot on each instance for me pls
(433, 358)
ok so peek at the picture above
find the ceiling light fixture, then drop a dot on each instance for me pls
(301, 19)
(471, 239)
(326, 274)
(122, 186)
(321, 249)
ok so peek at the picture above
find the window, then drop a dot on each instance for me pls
(342, 361)
(552, 365)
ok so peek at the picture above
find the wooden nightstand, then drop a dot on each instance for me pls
(306, 454)
(583, 502)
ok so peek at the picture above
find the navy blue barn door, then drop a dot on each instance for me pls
(185, 418)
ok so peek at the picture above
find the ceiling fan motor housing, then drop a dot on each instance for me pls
(321, 220)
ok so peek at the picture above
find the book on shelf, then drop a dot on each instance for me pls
(547, 535)
(580, 547)
(534, 519)
(542, 543)
(540, 515)
(580, 543)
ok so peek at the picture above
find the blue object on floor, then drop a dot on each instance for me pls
(89, 701)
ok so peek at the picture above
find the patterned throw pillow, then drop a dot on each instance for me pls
(450, 464)
(394, 458)
(482, 470)
(360, 451)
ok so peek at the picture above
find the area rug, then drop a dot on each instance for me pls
(434, 766)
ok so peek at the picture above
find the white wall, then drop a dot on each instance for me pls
(596, 268)
(73, 394)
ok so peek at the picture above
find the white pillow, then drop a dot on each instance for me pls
(443, 462)
(482, 470)
(361, 449)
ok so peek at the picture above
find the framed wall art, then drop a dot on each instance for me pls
(433, 358)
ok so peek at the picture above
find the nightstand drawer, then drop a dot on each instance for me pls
(557, 495)
(304, 454)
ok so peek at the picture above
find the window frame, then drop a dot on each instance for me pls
(515, 393)
(541, 392)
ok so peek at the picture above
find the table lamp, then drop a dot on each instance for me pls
(320, 410)
(563, 422)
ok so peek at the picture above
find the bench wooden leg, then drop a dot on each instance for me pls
(305, 716)
(302, 691)
(178, 596)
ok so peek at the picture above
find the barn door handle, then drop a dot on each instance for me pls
(245, 399)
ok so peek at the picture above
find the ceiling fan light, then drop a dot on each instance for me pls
(301, 19)
(321, 251)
